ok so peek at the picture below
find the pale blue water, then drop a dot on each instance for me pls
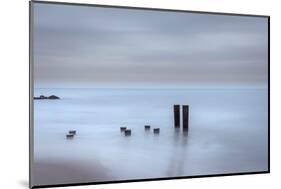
(227, 132)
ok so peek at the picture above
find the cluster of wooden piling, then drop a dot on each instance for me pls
(71, 134)
(185, 116)
(155, 130)
(128, 132)
(185, 121)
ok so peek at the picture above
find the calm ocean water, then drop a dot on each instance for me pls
(227, 133)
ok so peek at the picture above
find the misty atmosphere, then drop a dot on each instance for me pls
(98, 69)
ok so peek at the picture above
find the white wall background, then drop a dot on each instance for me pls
(14, 84)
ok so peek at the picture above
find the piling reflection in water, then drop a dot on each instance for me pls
(177, 161)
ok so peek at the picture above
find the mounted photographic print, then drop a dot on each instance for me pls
(122, 94)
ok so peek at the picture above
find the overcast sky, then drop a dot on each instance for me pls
(77, 46)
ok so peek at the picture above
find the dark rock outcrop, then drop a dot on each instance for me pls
(42, 97)
(53, 97)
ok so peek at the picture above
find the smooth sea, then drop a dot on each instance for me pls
(228, 133)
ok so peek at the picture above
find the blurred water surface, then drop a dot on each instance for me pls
(227, 134)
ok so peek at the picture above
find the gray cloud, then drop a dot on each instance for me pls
(76, 45)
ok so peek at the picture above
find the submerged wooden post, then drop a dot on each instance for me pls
(128, 132)
(70, 136)
(185, 117)
(73, 132)
(147, 127)
(156, 130)
(177, 115)
(123, 129)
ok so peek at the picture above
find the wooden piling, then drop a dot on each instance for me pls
(177, 116)
(147, 127)
(156, 130)
(69, 136)
(128, 132)
(72, 132)
(122, 129)
(185, 117)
